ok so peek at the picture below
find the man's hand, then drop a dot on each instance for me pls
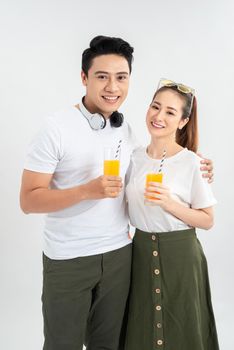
(36, 196)
(103, 187)
(207, 168)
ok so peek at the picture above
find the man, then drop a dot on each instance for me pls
(87, 251)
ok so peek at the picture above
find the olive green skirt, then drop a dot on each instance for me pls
(170, 304)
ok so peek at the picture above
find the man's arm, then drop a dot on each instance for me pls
(37, 197)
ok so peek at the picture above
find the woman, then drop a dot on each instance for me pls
(170, 303)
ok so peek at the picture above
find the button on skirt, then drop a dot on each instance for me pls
(170, 303)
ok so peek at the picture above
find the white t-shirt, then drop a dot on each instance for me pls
(181, 174)
(69, 149)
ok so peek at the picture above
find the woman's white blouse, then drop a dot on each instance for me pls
(181, 174)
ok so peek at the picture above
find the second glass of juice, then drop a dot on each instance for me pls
(111, 166)
(153, 177)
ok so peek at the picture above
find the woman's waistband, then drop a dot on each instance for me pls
(170, 235)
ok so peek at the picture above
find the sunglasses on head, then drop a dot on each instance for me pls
(181, 87)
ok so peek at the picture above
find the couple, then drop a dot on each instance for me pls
(87, 253)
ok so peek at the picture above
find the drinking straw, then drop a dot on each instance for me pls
(162, 161)
(118, 149)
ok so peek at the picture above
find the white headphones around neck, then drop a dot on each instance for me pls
(97, 121)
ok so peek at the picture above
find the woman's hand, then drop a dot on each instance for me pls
(201, 218)
(158, 194)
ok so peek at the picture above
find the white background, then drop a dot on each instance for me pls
(41, 43)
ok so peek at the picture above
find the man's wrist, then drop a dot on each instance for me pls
(81, 193)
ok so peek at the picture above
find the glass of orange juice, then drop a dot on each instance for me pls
(111, 165)
(153, 177)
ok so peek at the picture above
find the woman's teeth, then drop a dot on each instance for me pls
(156, 125)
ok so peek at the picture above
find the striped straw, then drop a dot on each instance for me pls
(162, 161)
(118, 149)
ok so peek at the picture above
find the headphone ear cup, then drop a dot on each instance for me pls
(116, 119)
(97, 121)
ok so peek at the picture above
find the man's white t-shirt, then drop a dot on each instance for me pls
(181, 174)
(69, 149)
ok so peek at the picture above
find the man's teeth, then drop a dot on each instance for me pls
(110, 98)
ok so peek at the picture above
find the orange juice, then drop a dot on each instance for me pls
(153, 177)
(111, 167)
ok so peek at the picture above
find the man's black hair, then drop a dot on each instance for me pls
(104, 45)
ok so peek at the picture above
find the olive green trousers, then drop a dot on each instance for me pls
(84, 300)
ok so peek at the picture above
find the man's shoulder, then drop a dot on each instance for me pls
(63, 118)
(130, 135)
(64, 114)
